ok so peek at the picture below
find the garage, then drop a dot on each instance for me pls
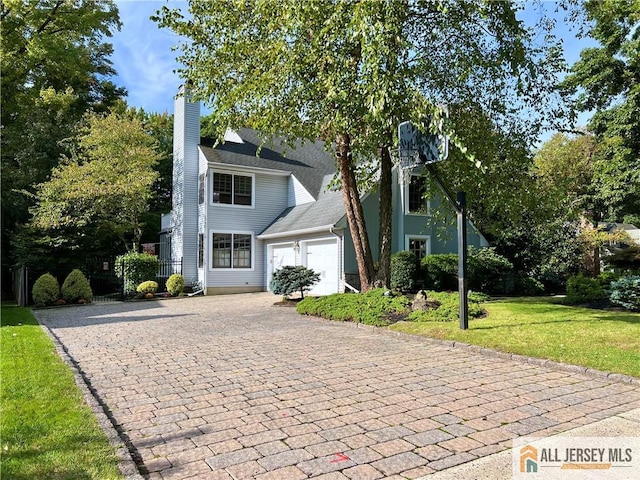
(322, 257)
(279, 256)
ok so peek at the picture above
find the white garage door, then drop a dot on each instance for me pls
(322, 258)
(281, 255)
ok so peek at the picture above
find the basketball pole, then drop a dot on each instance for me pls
(460, 206)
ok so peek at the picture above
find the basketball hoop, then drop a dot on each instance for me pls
(419, 148)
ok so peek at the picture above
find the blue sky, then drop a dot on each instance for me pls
(145, 62)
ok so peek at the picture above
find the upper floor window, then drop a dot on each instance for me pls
(233, 189)
(416, 191)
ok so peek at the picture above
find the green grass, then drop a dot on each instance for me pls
(46, 430)
(542, 327)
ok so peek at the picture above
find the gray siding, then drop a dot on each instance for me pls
(298, 195)
(271, 196)
(186, 137)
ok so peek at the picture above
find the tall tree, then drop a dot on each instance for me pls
(350, 71)
(54, 65)
(105, 185)
(606, 80)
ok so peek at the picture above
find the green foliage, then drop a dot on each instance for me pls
(449, 309)
(626, 292)
(488, 270)
(565, 168)
(175, 284)
(404, 271)
(76, 287)
(604, 81)
(147, 287)
(106, 183)
(583, 289)
(54, 65)
(625, 260)
(528, 286)
(548, 252)
(136, 268)
(46, 290)
(290, 279)
(375, 307)
(440, 271)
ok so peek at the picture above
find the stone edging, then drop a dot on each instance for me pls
(541, 362)
(551, 364)
(126, 464)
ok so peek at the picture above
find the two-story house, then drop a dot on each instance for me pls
(238, 216)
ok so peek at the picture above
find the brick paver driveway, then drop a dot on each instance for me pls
(233, 387)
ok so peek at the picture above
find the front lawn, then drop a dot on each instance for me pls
(46, 429)
(542, 327)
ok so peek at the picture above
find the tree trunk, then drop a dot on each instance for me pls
(355, 216)
(385, 217)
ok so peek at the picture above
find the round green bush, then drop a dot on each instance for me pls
(147, 287)
(46, 290)
(583, 289)
(626, 292)
(175, 284)
(290, 279)
(76, 287)
(404, 271)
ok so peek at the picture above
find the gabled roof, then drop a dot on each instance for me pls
(308, 161)
(324, 213)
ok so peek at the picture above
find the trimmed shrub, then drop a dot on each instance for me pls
(175, 284)
(147, 287)
(487, 270)
(290, 279)
(404, 271)
(440, 271)
(606, 278)
(46, 290)
(376, 307)
(135, 268)
(583, 289)
(626, 292)
(76, 287)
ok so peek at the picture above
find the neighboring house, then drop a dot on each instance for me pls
(237, 216)
(631, 230)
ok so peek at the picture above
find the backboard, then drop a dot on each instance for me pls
(420, 148)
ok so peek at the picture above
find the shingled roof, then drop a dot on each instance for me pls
(324, 213)
(308, 161)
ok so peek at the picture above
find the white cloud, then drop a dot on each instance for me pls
(143, 56)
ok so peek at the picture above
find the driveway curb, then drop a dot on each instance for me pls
(126, 464)
(489, 352)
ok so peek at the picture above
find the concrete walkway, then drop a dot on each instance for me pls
(230, 387)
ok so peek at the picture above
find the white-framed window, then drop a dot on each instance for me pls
(232, 251)
(233, 189)
(415, 190)
(419, 245)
